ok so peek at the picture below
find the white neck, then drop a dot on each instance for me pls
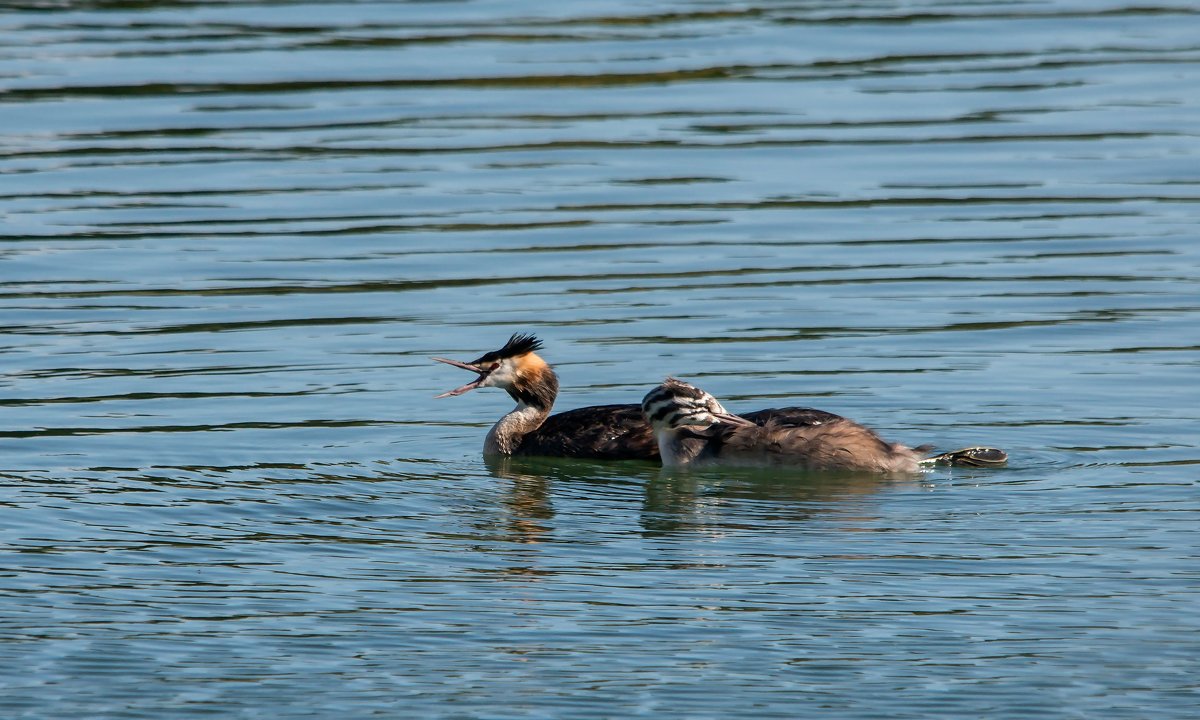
(675, 450)
(507, 433)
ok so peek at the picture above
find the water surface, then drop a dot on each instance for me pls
(234, 234)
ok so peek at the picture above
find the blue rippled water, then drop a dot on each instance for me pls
(235, 233)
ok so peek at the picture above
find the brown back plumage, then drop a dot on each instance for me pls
(838, 444)
(601, 432)
(692, 428)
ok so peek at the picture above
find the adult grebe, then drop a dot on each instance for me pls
(692, 428)
(607, 432)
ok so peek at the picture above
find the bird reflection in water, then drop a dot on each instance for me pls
(720, 500)
(527, 502)
(707, 501)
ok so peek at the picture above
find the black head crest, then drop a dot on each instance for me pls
(518, 344)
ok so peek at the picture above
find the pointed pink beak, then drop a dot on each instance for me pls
(731, 419)
(465, 366)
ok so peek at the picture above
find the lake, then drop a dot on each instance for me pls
(235, 233)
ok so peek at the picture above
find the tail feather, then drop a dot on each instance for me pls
(970, 457)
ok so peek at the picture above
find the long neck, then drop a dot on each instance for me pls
(678, 449)
(506, 435)
(535, 388)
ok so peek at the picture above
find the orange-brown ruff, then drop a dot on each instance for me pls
(608, 432)
(692, 428)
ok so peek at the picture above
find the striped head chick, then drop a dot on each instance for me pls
(681, 416)
(517, 369)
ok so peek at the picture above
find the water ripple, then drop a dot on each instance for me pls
(236, 232)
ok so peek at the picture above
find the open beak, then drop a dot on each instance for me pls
(465, 366)
(731, 419)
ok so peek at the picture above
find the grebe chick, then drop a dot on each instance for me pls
(607, 432)
(693, 429)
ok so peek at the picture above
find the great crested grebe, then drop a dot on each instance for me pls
(692, 428)
(607, 432)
